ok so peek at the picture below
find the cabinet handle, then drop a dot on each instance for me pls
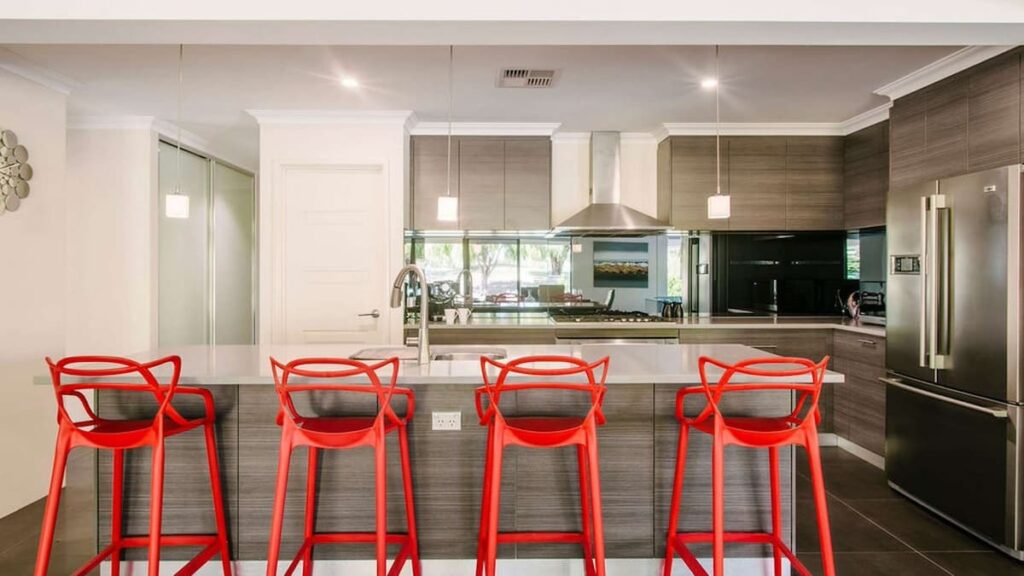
(764, 347)
(870, 343)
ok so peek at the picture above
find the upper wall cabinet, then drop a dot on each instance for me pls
(776, 182)
(866, 176)
(967, 122)
(503, 183)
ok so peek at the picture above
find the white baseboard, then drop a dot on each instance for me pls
(507, 567)
(861, 452)
(828, 439)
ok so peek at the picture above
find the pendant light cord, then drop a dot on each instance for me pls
(177, 163)
(451, 59)
(718, 127)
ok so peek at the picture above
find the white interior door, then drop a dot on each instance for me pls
(333, 258)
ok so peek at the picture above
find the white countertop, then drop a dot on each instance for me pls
(630, 363)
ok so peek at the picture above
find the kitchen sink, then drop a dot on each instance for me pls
(467, 353)
(385, 352)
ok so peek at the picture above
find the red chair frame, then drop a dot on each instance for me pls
(797, 428)
(542, 432)
(121, 435)
(339, 433)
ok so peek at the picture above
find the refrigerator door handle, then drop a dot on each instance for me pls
(922, 316)
(940, 255)
(993, 412)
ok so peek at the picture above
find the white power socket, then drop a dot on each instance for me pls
(446, 420)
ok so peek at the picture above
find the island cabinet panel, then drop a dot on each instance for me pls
(860, 401)
(757, 182)
(481, 183)
(812, 344)
(528, 184)
(429, 179)
(747, 483)
(866, 176)
(188, 506)
(994, 116)
(814, 183)
(968, 122)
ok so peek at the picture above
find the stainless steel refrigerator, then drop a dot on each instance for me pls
(953, 394)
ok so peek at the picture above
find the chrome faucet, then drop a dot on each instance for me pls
(465, 290)
(397, 296)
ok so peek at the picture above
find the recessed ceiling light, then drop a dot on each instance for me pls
(350, 82)
(709, 83)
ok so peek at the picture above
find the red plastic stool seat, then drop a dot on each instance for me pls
(542, 432)
(804, 379)
(338, 433)
(121, 435)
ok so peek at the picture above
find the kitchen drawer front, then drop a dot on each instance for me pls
(859, 405)
(813, 344)
(860, 347)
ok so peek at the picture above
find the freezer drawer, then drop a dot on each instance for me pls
(955, 455)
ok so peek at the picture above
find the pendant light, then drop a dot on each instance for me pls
(175, 202)
(448, 205)
(718, 204)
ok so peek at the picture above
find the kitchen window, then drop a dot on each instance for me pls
(543, 263)
(494, 265)
(441, 258)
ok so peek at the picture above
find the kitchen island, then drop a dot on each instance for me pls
(637, 451)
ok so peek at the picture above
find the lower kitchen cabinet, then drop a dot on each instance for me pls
(859, 402)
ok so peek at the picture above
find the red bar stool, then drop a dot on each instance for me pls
(542, 432)
(339, 433)
(797, 428)
(121, 435)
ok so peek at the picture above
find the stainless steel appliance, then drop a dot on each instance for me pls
(605, 316)
(953, 394)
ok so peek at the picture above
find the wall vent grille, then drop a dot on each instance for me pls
(526, 78)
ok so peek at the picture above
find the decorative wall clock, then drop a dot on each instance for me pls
(15, 172)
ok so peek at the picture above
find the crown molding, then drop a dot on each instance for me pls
(271, 117)
(942, 68)
(660, 133)
(570, 137)
(865, 119)
(638, 137)
(753, 129)
(485, 128)
(110, 122)
(20, 66)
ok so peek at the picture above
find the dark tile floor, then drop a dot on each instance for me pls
(875, 531)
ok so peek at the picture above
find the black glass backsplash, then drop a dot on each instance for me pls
(792, 273)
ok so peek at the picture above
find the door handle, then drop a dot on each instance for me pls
(993, 412)
(374, 314)
(922, 316)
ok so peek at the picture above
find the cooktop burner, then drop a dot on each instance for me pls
(604, 316)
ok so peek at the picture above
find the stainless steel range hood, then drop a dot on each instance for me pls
(606, 216)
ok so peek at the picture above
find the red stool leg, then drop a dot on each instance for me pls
(677, 497)
(60, 460)
(481, 549)
(773, 463)
(310, 528)
(381, 483)
(718, 505)
(277, 516)
(494, 506)
(595, 492)
(116, 518)
(218, 497)
(410, 507)
(585, 513)
(820, 505)
(156, 505)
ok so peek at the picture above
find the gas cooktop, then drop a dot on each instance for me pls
(605, 316)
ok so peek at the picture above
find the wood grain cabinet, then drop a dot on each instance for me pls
(503, 183)
(866, 176)
(776, 182)
(859, 402)
(968, 122)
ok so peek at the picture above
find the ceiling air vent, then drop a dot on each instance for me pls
(526, 78)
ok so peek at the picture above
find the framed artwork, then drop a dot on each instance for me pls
(620, 264)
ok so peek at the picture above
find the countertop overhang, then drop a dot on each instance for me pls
(630, 363)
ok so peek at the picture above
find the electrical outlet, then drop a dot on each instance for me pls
(446, 420)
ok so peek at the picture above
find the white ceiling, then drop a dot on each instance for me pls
(626, 88)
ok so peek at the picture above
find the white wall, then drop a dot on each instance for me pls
(111, 240)
(351, 141)
(32, 280)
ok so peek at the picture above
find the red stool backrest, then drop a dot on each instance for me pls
(799, 375)
(336, 369)
(565, 367)
(96, 368)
